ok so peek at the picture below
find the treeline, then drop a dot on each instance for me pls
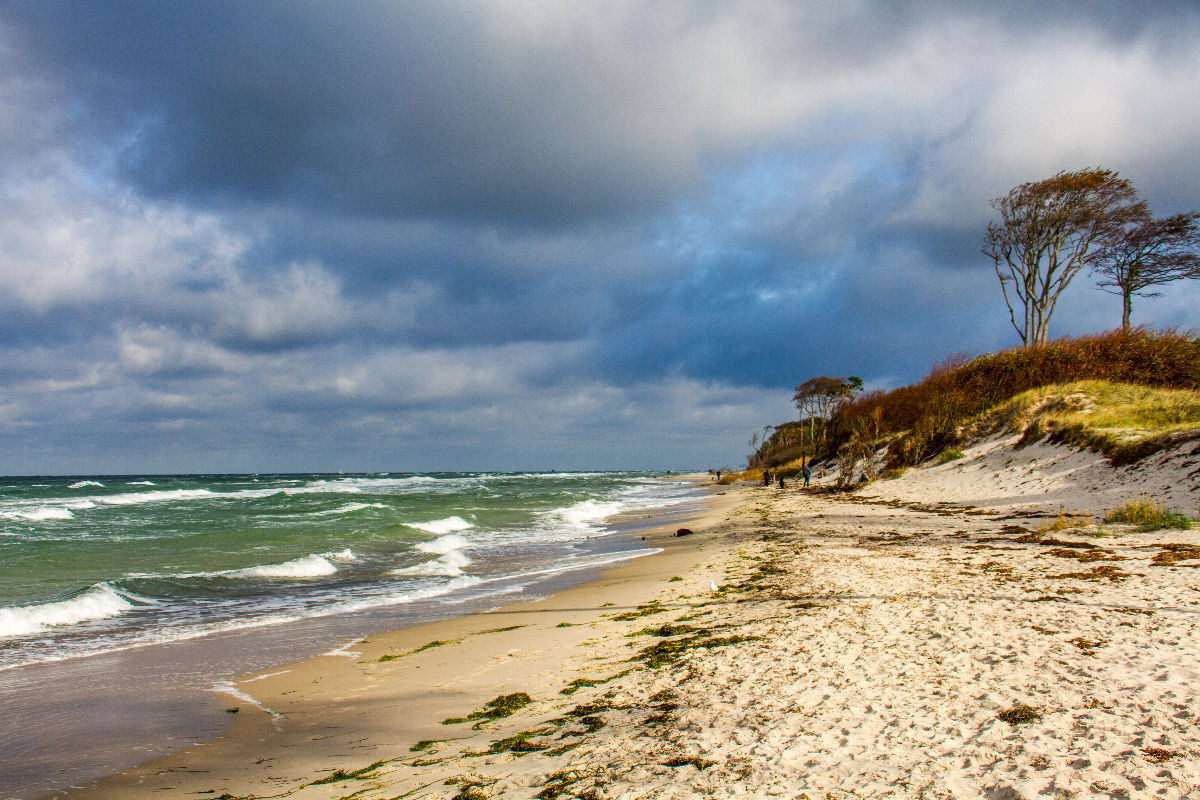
(922, 419)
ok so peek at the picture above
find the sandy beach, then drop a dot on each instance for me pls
(966, 630)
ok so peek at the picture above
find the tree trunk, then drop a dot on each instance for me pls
(1127, 308)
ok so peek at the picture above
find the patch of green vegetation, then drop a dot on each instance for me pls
(233, 710)
(689, 761)
(425, 744)
(427, 646)
(519, 744)
(671, 650)
(565, 625)
(503, 706)
(582, 683)
(341, 775)
(1020, 714)
(644, 610)
(469, 791)
(502, 630)
(606, 605)
(1147, 515)
(949, 454)
(563, 749)
(670, 629)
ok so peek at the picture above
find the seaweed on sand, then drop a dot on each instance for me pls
(1106, 572)
(582, 683)
(1172, 554)
(503, 706)
(671, 650)
(1020, 714)
(341, 775)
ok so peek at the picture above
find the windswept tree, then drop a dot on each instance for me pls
(1147, 253)
(819, 397)
(1049, 230)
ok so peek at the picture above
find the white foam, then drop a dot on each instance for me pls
(348, 509)
(227, 688)
(312, 566)
(586, 512)
(443, 544)
(450, 565)
(450, 561)
(42, 513)
(99, 602)
(141, 483)
(136, 498)
(345, 650)
(82, 484)
(447, 525)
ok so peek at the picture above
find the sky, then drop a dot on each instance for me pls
(298, 236)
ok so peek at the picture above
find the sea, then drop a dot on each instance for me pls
(128, 602)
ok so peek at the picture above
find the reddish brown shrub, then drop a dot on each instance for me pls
(958, 388)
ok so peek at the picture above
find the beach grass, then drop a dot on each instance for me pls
(1148, 515)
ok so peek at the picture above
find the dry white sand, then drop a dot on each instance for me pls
(935, 636)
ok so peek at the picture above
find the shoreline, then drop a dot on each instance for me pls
(887, 643)
(260, 696)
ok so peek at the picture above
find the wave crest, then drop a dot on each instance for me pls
(101, 601)
(447, 525)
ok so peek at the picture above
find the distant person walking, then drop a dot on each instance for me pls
(807, 474)
(766, 477)
(781, 480)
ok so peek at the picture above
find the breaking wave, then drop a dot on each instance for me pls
(101, 601)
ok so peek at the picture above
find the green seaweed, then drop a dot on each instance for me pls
(582, 683)
(644, 610)
(503, 706)
(1020, 714)
(671, 650)
(341, 775)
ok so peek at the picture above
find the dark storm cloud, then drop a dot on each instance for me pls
(268, 234)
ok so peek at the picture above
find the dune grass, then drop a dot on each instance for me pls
(929, 413)
(1147, 515)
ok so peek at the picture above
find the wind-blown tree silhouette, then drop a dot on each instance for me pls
(1049, 230)
(1147, 253)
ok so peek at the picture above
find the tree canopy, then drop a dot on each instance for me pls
(1146, 253)
(1049, 230)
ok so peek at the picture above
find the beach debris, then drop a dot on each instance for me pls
(1020, 714)
(342, 775)
(1172, 554)
(503, 706)
(1157, 755)
(1088, 646)
(684, 532)
(713, 585)
(688, 761)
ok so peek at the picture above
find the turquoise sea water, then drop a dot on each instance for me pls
(90, 565)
